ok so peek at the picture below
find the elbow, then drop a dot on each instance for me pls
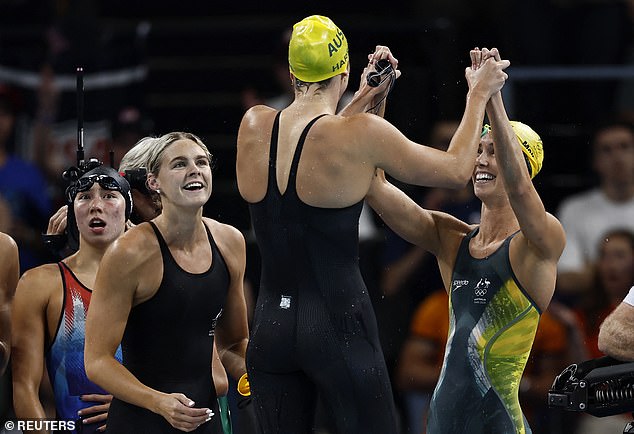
(460, 183)
(91, 370)
(92, 367)
(457, 180)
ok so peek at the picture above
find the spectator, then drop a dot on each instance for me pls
(614, 277)
(22, 187)
(587, 216)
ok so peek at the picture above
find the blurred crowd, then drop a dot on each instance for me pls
(38, 141)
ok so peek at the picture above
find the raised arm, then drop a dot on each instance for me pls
(616, 335)
(411, 222)
(368, 97)
(542, 230)
(9, 274)
(29, 338)
(422, 165)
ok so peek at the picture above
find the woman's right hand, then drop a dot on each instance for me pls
(180, 412)
(57, 223)
(486, 73)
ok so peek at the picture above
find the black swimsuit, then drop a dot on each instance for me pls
(168, 343)
(314, 326)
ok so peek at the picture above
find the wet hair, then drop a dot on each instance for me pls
(155, 151)
(302, 86)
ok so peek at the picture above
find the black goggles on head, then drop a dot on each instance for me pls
(85, 183)
(106, 182)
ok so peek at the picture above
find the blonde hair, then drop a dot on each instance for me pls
(136, 157)
(154, 155)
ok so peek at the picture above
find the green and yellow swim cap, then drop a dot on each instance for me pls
(532, 145)
(318, 49)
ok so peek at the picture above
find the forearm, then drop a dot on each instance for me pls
(465, 140)
(512, 167)
(221, 382)
(26, 403)
(115, 378)
(616, 335)
(233, 358)
(396, 209)
(358, 104)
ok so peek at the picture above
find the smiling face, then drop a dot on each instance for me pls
(100, 215)
(485, 181)
(184, 175)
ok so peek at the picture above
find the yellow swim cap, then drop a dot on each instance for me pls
(318, 49)
(532, 145)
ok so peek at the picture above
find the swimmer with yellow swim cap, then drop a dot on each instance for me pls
(531, 143)
(304, 171)
(500, 274)
(318, 50)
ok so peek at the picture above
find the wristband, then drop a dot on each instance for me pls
(629, 298)
(244, 388)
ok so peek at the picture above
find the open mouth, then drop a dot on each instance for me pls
(484, 177)
(193, 186)
(97, 223)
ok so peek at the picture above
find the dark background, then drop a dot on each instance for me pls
(201, 56)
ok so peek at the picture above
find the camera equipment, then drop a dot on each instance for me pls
(601, 387)
(137, 179)
(70, 239)
(72, 174)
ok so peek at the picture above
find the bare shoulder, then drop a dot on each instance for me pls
(365, 122)
(227, 237)
(37, 284)
(7, 244)
(255, 116)
(231, 244)
(352, 136)
(134, 247)
(365, 132)
(9, 264)
(550, 244)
